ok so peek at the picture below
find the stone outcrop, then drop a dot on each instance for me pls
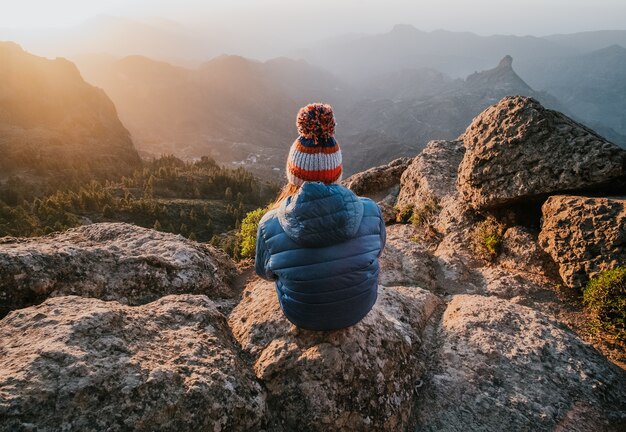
(517, 150)
(110, 261)
(361, 378)
(432, 174)
(501, 366)
(82, 364)
(382, 184)
(376, 182)
(584, 235)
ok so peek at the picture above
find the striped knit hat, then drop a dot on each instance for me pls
(315, 154)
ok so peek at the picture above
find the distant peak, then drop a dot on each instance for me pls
(506, 62)
(403, 28)
(11, 46)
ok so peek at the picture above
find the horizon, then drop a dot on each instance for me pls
(278, 28)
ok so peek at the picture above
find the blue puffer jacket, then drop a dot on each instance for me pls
(321, 246)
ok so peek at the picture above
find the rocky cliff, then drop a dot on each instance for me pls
(461, 337)
(52, 121)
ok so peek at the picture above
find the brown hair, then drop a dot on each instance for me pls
(287, 190)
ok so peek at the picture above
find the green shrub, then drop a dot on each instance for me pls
(605, 298)
(423, 214)
(248, 230)
(487, 238)
(403, 214)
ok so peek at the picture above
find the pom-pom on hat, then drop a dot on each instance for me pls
(315, 154)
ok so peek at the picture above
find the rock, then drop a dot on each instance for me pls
(387, 209)
(516, 150)
(502, 366)
(505, 283)
(360, 378)
(405, 260)
(377, 182)
(82, 364)
(521, 252)
(584, 235)
(110, 261)
(456, 217)
(432, 174)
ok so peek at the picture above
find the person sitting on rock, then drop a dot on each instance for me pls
(320, 242)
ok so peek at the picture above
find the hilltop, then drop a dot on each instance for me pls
(477, 324)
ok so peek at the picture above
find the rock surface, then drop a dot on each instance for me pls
(82, 364)
(584, 235)
(432, 174)
(110, 261)
(377, 182)
(405, 260)
(501, 366)
(517, 150)
(521, 251)
(360, 378)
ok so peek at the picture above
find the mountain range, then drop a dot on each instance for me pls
(392, 92)
(243, 111)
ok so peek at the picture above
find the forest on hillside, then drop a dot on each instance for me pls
(198, 200)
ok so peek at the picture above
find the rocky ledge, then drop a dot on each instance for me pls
(109, 261)
(82, 364)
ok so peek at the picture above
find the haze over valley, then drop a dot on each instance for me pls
(177, 93)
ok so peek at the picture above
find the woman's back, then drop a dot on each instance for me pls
(321, 246)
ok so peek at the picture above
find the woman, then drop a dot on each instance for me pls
(320, 242)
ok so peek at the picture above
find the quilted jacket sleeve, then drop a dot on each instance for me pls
(383, 236)
(261, 259)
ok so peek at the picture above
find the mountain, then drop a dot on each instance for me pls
(408, 83)
(242, 111)
(236, 109)
(405, 47)
(405, 124)
(592, 86)
(590, 41)
(53, 123)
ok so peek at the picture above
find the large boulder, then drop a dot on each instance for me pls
(82, 364)
(361, 378)
(517, 150)
(502, 366)
(110, 261)
(377, 182)
(584, 235)
(382, 184)
(432, 174)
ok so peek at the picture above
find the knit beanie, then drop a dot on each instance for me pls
(315, 154)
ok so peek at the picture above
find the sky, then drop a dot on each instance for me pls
(334, 17)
